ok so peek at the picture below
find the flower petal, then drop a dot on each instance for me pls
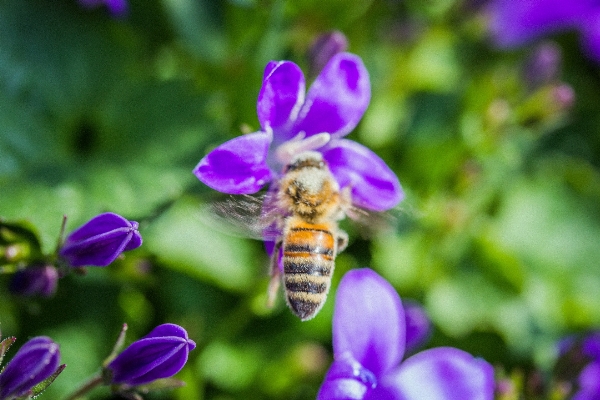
(589, 383)
(590, 30)
(514, 23)
(35, 361)
(100, 241)
(160, 354)
(238, 166)
(281, 96)
(443, 373)
(374, 185)
(418, 326)
(368, 321)
(337, 99)
(346, 379)
(136, 238)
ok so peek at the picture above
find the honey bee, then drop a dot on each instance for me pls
(310, 239)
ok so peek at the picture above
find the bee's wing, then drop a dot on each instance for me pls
(245, 216)
(373, 223)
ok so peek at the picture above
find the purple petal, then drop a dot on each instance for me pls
(368, 321)
(35, 361)
(442, 373)
(136, 238)
(117, 7)
(337, 99)
(591, 35)
(418, 326)
(281, 96)
(373, 184)
(238, 166)
(346, 379)
(161, 354)
(514, 23)
(100, 241)
(589, 383)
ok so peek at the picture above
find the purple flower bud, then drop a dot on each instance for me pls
(324, 47)
(35, 361)
(542, 66)
(117, 8)
(34, 281)
(100, 241)
(418, 326)
(160, 354)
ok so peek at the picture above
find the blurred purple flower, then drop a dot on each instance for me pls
(35, 361)
(418, 326)
(582, 356)
(100, 241)
(514, 23)
(117, 8)
(293, 122)
(160, 354)
(33, 281)
(369, 337)
(324, 48)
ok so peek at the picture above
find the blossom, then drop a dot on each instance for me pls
(160, 354)
(100, 241)
(38, 280)
(582, 357)
(514, 23)
(369, 337)
(418, 326)
(293, 121)
(117, 8)
(35, 361)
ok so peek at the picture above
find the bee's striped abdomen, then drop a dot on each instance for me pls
(308, 261)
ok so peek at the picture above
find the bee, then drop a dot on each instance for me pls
(311, 200)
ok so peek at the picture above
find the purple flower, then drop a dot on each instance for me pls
(100, 241)
(35, 281)
(35, 361)
(369, 337)
(160, 354)
(324, 48)
(582, 355)
(293, 122)
(418, 326)
(117, 8)
(514, 23)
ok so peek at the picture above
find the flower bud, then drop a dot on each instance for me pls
(35, 361)
(160, 354)
(324, 47)
(418, 326)
(33, 281)
(542, 66)
(100, 241)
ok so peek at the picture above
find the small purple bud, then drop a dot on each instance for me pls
(100, 241)
(564, 96)
(542, 66)
(324, 47)
(418, 326)
(160, 354)
(34, 281)
(35, 361)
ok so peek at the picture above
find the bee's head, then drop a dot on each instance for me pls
(306, 159)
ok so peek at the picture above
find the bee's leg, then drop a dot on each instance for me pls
(342, 241)
(275, 276)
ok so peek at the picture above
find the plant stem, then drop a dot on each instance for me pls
(91, 383)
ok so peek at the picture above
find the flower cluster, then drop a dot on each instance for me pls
(514, 23)
(369, 338)
(35, 362)
(293, 122)
(580, 361)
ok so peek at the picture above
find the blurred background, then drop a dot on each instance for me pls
(497, 148)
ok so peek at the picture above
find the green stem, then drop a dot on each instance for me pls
(94, 381)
